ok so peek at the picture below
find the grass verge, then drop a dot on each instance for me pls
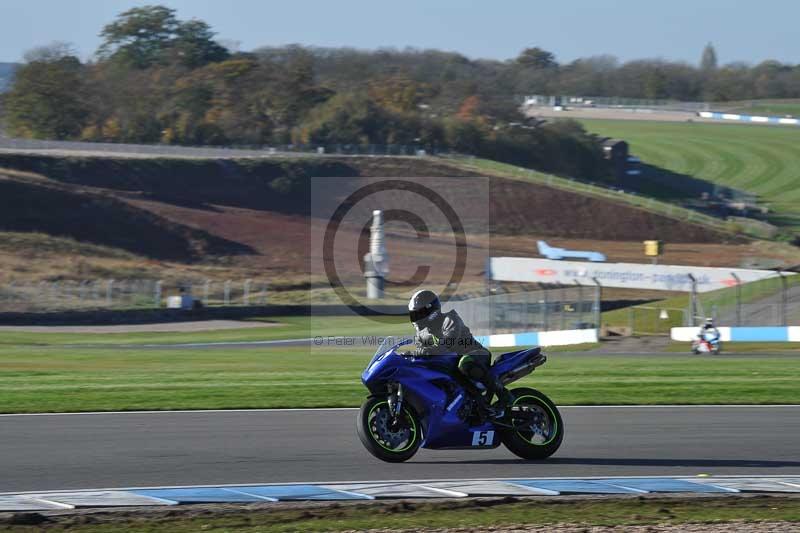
(289, 327)
(58, 379)
(745, 347)
(717, 514)
(760, 160)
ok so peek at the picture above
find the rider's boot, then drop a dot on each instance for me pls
(496, 388)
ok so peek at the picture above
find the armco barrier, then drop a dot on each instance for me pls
(540, 338)
(744, 334)
(749, 118)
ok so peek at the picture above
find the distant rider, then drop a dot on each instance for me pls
(442, 333)
(709, 331)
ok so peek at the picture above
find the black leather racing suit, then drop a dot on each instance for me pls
(448, 334)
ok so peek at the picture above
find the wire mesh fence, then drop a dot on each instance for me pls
(222, 151)
(771, 302)
(129, 294)
(558, 308)
(615, 102)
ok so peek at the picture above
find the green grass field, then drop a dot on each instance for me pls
(97, 372)
(759, 159)
(775, 108)
(60, 379)
(290, 327)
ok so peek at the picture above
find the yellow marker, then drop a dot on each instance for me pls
(652, 248)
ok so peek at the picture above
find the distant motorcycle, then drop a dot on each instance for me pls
(706, 344)
(426, 402)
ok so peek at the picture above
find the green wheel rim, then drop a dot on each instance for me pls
(553, 418)
(413, 429)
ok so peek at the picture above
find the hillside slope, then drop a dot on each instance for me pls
(759, 159)
(252, 216)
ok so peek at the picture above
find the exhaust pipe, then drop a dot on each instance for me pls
(523, 370)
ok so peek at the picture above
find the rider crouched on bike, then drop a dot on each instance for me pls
(709, 331)
(445, 333)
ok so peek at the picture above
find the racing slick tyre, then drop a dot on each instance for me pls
(537, 426)
(393, 441)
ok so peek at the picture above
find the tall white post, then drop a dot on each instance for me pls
(376, 262)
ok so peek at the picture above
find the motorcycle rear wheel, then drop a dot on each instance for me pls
(539, 429)
(387, 443)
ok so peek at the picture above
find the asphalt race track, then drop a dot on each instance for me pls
(50, 452)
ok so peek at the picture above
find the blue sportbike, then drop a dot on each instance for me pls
(426, 402)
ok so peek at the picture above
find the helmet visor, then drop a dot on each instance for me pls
(419, 315)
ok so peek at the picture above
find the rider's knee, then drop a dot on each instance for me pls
(471, 368)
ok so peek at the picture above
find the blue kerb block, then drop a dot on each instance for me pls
(526, 339)
(763, 334)
(576, 486)
(301, 492)
(664, 485)
(204, 495)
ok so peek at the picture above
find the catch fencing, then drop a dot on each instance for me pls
(771, 302)
(220, 152)
(615, 102)
(94, 294)
(560, 308)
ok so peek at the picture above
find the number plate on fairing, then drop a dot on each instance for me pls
(482, 438)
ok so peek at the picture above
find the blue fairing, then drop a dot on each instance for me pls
(512, 360)
(431, 387)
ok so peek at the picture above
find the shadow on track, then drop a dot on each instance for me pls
(589, 461)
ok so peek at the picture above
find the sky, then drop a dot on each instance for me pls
(499, 29)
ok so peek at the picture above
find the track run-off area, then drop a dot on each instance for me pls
(92, 450)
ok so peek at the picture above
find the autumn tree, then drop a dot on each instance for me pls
(139, 36)
(344, 119)
(397, 93)
(470, 108)
(536, 58)
(194, 45)
(146, 36)
(46, 100)
(708, 61)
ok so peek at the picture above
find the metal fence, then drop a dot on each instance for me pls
(220, 152)
(782, 308)
(771, 302)
(614, 102)
(544, 310)
(126, 294)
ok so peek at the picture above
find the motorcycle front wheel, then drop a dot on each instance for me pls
(389, 439)
(538, 429)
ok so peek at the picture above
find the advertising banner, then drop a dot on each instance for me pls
(623, 275)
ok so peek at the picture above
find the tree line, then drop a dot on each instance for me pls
(158, 79)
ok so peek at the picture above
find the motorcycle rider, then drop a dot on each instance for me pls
(440, 333)
(709, 331)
